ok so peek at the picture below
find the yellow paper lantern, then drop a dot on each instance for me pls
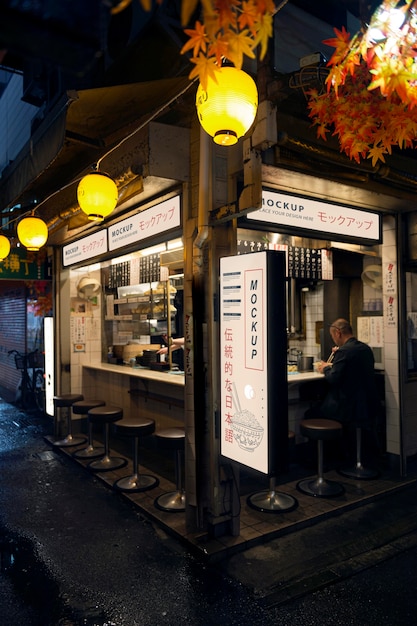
(97, 195)
(32, 233)
(4, 247)
(227, 109)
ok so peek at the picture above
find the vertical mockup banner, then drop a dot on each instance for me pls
(254, 416)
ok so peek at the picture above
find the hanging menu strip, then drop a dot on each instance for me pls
(304, 263)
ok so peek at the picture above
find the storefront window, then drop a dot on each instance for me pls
(411, 294)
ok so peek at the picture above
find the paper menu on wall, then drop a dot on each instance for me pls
(77, 329)
(371, 331)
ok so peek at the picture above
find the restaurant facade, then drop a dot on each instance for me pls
(324, 240)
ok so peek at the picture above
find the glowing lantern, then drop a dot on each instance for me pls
(227, 109)
(4, 247)
(97, 195)
(32, 233)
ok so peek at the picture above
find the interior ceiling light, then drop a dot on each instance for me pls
(4, 247)
(97, 195)
(227, 108)
(32, 233)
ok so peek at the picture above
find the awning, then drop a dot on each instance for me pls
(83, 128)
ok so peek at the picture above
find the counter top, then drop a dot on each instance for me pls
(178, 378)
(299, 377)
(138, 372)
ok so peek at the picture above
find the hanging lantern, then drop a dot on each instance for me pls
(4, 247)
(32, 233)
(97, 195)
(227, 109)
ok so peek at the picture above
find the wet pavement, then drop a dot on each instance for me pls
(75, 552)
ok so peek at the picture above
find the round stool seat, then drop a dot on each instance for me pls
(105, 414)
(67, 399)
(135, 427)
(321, 429)
(81, 408)
(171, 438)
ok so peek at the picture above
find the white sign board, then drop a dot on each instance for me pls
(309, 214)
(243, 353)
(158, 219)
(85, 248)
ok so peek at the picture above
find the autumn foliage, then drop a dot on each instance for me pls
(228, 30)
(371, 97)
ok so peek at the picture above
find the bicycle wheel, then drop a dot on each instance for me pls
(39, 390)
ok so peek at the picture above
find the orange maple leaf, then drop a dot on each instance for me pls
(264, 28)
(205, 68)
(341, 43)
(248, 15)
(376, 153)
(240, 44)
(219, 49)
(198, 39)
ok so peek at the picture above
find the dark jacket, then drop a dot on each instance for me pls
(352, 395)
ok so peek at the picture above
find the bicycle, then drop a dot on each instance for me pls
(32, 383)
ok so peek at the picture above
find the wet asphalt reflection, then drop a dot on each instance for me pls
(75, 553)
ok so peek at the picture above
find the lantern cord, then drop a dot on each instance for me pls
(148, 119)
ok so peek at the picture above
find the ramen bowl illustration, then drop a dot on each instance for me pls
(247, 431)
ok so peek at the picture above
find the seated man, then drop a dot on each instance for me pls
(352, 397)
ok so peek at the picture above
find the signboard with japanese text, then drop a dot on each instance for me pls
(339, 221)
(21, 264)
(158, 219)
(85, 248)
(253, 357)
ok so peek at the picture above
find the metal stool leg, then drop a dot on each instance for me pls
(69, 440)
(90, 452)
(107, 462)
(358, 470)
(320, 487)
(137, 481)
(173, 500)
(272, 501)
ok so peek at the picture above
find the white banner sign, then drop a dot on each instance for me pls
(243, 348)
(86, 248)
(158, 219)
(305, 213)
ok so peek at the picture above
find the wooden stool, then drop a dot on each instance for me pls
(272, 501)
(358, 470)
(66, 401)
(81, 408)
(320, 430)
(106, 415)
(135, 428)
(172, 439)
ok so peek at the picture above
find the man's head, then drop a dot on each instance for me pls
(340, 331)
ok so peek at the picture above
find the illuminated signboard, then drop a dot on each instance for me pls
(253, 355)
(158, 219)
(85, 248)
(309, 214)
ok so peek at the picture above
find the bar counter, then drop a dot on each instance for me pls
(138, 391)
(160, 395)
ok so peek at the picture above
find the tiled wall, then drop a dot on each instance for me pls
(93, 340)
